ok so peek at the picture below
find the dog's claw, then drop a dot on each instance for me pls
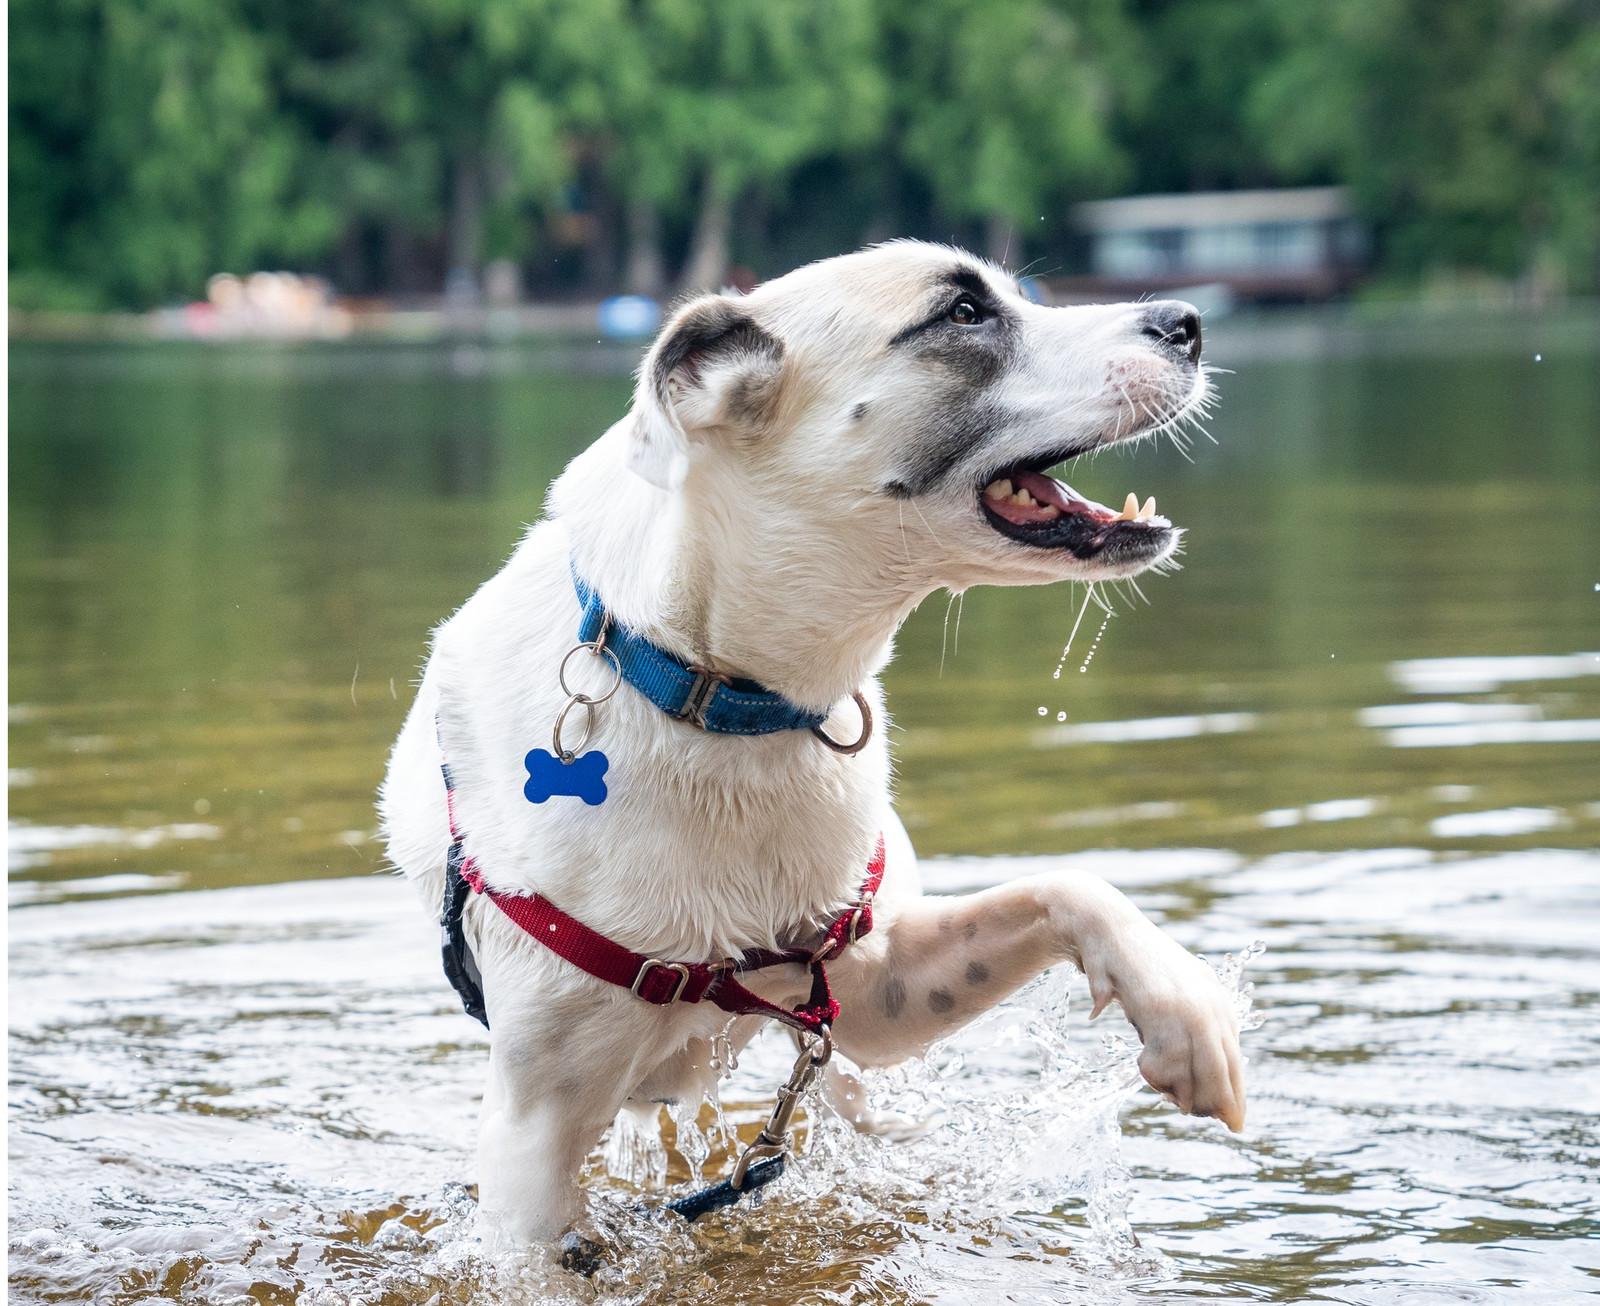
(582, 1255)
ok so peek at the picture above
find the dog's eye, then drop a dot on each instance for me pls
(965, 312)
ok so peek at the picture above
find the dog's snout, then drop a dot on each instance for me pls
(1175, 328)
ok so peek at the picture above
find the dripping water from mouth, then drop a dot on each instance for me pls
(1066, 652)
(1093, 648)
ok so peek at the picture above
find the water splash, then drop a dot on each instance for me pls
(633, 1149)
(690, 1140)
(1022, 1123)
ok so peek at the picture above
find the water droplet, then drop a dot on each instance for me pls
(1089, 594)
(1044, 711)
(1061, 716)
(1090, 658)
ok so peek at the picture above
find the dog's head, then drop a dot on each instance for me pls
(902, 406)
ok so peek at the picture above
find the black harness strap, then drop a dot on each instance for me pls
(460, 966)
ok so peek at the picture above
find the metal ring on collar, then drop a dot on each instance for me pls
(850, 750)
(568, 754)
(598, 649)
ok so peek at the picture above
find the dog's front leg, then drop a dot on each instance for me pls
(936, 963)
(558, 1074)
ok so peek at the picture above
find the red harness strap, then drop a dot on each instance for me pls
(663, 983)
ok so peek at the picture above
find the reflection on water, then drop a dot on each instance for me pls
(224, 563)
(269, 1092)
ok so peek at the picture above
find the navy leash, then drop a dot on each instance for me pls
(714, 1198)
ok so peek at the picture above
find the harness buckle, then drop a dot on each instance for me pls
(863, 908)
(831, 947)
(650, 964)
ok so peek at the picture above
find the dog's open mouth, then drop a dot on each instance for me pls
(1025, 505)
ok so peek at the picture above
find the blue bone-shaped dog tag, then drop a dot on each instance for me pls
(584, 777)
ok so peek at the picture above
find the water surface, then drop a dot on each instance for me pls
(1362, 725)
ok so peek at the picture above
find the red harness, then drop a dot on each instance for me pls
(663, 983)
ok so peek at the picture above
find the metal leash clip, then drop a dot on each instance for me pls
(773, 1140)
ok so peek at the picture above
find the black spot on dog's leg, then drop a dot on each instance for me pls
(894, 998)
(971, 930)
(941, 1001)
(977, 973)
(858, 412)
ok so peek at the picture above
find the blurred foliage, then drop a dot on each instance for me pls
(1004, 108)
(1470, 130)
(393, 145)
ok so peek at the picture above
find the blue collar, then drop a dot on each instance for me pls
(713, 702)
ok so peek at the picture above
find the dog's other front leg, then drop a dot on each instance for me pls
(556, 1081)
(936, 963)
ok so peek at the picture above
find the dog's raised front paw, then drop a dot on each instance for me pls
(1186, 1023)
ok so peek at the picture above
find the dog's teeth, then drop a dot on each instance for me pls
(1149, 509)
(1051, 512)
(1023, 497)
(999, 489)
(1130, 509)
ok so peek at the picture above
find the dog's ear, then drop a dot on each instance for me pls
(712, 367)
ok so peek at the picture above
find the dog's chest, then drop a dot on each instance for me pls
(703, 846)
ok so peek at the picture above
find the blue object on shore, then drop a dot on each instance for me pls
(627, 317)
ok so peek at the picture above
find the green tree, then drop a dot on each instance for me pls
(1467, 129)
(450, 118)
(147, 151)
(1194, 130)
(1005, 107)
(733, 95)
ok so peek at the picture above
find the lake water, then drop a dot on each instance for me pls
(1362, 726)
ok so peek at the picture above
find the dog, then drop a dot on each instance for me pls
(800, 467)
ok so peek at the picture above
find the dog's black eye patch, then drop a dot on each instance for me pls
(965, 300)
(713, 328)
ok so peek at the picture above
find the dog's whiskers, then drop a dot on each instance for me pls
(931, 533)
(944, 640)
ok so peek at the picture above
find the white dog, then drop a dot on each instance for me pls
(800, 468)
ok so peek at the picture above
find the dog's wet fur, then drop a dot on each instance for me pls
(800, 468)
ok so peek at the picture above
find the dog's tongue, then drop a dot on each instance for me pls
(1023, 498)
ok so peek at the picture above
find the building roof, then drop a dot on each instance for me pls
(1215, 209)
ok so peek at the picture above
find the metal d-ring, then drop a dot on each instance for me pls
(849, 750)
(567, 755)
(598, 649)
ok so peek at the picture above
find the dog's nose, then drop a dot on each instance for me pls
(1175, 327)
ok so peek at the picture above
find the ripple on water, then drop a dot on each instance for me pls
(268, 1094)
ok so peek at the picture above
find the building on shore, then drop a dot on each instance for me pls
(1262, 245)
